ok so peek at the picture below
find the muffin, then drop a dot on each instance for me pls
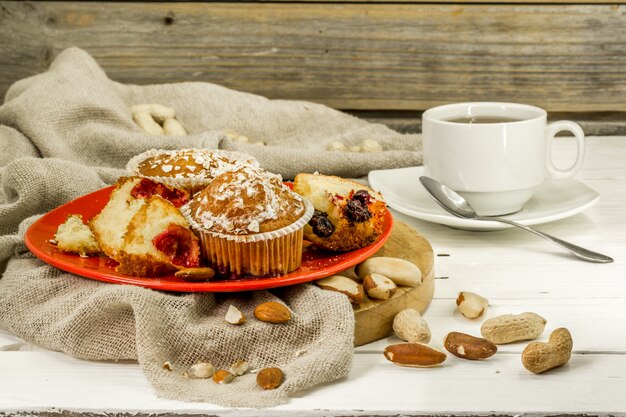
(141, 227)
(157, 241)
(348, 215)
(249, 223)
(74, 236)
(189, 169)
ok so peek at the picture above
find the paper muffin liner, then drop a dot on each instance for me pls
(263, 254)
(190, 184)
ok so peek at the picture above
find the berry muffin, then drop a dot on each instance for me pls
(249, 223)
(348, 215)
(189, 169)
(141, 227)
(158, 241)
(74, 236)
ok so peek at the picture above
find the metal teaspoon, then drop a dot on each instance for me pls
(455, 204)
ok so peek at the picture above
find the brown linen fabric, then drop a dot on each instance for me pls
(69, 131)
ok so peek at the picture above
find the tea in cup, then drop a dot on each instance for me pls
(494, 154)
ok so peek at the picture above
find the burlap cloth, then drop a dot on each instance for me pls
(69, 131)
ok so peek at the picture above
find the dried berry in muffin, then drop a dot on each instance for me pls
(363, 196)
(321, 224)
(356, 210)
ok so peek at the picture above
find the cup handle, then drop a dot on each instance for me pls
(551, 130)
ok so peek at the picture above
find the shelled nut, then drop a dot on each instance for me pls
(195, 274)
(223, 377)
(471, 305)
(400, 271)
(234, 316)
(416, 355)
(272, 312)
(370, 145)
(172, 127)
(269, 378)
(344, 285)
(158, 112)
(378, 286)
(466, 346)
(239, 367)
(202, 370)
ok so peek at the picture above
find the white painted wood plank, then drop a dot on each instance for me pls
(515, 264)
(502, 385)
(597, 325)
(604, 157)
(519, 265)
(46, 381)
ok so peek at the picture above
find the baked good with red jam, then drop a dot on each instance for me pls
(141, 227)
(348, 215)
(74, 236)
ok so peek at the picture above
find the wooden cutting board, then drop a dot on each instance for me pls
(374, 318)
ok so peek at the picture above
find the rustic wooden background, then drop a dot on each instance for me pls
(385, 61)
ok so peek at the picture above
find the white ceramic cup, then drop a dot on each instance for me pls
(495, 166)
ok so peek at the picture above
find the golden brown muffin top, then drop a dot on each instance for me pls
(246, 201)
(190, 163)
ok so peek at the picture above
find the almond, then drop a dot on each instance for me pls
(272, 312)
(234, 316)
(344, 285)
(269, 378)
(379, 286)
(466, 346)
(417, 355)
(195, 274)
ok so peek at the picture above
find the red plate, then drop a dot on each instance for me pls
(315, 264)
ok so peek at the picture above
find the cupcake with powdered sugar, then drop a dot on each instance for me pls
(190, 169)
(249, 223)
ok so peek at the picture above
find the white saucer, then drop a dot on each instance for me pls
(553, 200)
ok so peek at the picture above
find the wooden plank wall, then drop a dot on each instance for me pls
(381, 60)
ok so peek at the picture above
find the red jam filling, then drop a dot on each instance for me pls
(180, 245)
(147, 188)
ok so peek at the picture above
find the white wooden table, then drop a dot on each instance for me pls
(517, 271)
